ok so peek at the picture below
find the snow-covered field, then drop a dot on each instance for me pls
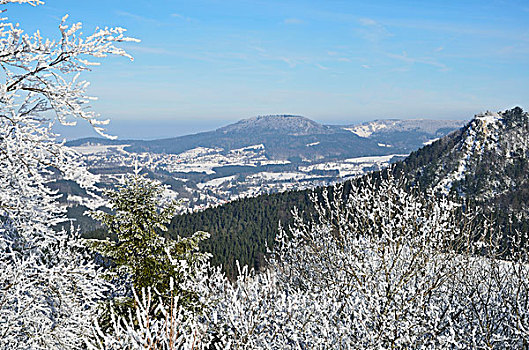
(353, 166)
(366, 130)
(193, 170)
(216, 182)
(99, 149)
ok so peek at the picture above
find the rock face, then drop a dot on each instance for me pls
(405, 134)
(486, 161)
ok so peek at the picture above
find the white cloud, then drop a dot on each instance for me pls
(421, 60)
(258, 48)
(372, 30)
(368, 22)
(293, 21)
(150, 50)
(182, 17)
(139, 18)
(291, 62)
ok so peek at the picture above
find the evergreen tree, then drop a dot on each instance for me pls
(141, 256)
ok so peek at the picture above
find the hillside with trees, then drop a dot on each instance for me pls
(375, 263)
(495, 180)
(486, 161)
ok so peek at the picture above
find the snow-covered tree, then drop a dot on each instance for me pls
(140, 257)
(393, 268)
(155, 323)
(382, 268)
(48, 288)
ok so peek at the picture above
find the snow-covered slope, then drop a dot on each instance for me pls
(427, 126)
(486, 161)
(405, 134)
(277, 124)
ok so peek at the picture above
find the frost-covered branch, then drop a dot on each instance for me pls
(384, 268)
(49, 286)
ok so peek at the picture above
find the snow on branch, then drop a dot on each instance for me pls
(49, 285)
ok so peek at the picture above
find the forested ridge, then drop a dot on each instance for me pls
(240, 230)
(373, 263)
(496, 171)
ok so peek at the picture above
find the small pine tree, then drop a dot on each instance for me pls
(141, 258)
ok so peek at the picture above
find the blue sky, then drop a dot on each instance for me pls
(201, 64)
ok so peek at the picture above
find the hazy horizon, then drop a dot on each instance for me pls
(159, 129)
(211, 63)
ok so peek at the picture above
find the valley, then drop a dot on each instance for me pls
(256, 156)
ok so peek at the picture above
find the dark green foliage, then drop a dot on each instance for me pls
(90, 227)
(139, 253)
(241, 230)
(421, 166)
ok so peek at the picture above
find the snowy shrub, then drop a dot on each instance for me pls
(48, 286)
(158, 322)
(389, 268)
(383, 268)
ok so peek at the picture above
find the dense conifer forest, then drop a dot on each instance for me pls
(241, 230)
(244, 229)
(430, 253)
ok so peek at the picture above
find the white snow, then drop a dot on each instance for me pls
(199, 151)
(91, 203)
(248, 148)
(374, 159)
(180, 179)
(366, 130)
(99, 149)
(270, 176)
(274, 162)
(353, 166)
(359, 131)
(216, 182)
(480, 135)
(429, 142)
(489, 117)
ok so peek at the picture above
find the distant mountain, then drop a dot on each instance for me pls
(255, 156)
(277, 124)
(296, 138)
(487, 161)
(405, 134)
